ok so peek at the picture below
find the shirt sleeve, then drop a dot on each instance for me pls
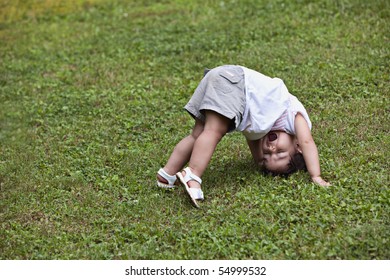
(295, 108)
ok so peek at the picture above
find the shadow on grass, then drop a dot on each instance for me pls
(230, 176)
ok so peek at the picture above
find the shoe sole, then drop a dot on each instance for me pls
(164, 186)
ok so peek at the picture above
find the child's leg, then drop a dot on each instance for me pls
(182, 152)
(216, 126)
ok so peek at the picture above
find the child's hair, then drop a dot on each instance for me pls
(296, 163)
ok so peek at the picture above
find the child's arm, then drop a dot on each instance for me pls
(254, 146)
(309, 150)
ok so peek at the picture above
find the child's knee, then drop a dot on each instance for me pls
(215, 134)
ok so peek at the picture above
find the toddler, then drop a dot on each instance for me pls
(234, 98)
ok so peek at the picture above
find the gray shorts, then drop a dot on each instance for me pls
(221, 90)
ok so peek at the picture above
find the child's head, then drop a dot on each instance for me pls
(281, 153)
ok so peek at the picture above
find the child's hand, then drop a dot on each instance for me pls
(318, 180)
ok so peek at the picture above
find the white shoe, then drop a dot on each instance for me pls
(194, 193)
(171, 179)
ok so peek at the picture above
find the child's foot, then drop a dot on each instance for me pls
(164, 180)
(192, 183)
(195, 193)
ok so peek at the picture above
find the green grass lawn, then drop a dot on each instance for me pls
(91, 98)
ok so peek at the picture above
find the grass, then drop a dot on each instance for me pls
(91, 97)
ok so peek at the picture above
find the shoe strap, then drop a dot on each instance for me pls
(170, 178)
(197, 193)
(191, 176)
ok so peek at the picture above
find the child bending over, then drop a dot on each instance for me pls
(274, 122)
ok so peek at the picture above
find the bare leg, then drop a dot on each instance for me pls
(216, 126)
(182, 152)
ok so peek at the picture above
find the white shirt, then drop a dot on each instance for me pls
(267, 99)
(295, 108)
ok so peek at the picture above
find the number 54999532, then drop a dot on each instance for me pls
(233, 270)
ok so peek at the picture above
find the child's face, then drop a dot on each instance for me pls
(278, 147)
